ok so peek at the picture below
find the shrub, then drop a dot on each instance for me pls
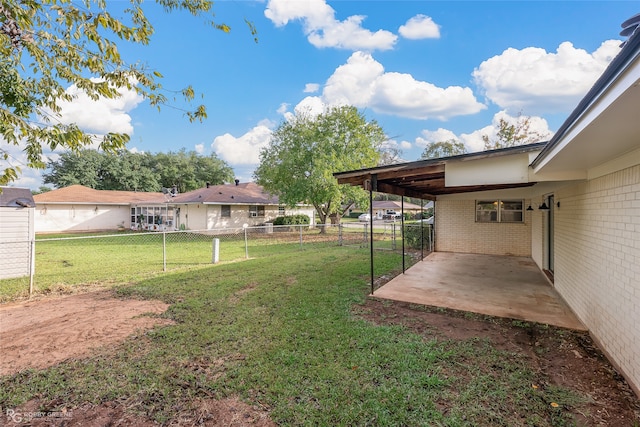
(299, 219)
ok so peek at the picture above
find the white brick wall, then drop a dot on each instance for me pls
(597, 262)
(457, 231)
(538, 233)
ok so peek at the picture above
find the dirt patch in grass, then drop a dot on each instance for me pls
(42, 333)
(560, 357)
(45, 332)
(230, 412)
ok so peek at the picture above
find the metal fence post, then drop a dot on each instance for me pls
(340, 234)
(365, 236)
(164, 251)
(215, 257)
(246, 244)
(301, 236)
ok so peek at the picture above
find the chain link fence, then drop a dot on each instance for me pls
(111, 259)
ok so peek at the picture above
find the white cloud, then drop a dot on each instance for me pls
(439, 135)
(473, 141)
(243, 150)
(101, 116)
(268, 123)
(354, 82)
(420, 27)
(362, 82)
(199, 148)
(324, 30)
(283, 108)
(402, 95)
(534, 81)
(402, 145)
(311, 105)
(311, 87)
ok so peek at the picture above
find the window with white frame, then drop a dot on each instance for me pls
(499, 210)
(225, 211)
(281, 211)
(149, 215)
(256, 211)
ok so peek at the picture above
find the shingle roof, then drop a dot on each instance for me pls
(16, 197)
(246, 193)
(81, 194)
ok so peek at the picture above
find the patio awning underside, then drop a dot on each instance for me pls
(422, 179)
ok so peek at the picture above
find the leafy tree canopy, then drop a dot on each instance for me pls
(447, 148)
(513, 134)
(137, 171)
(48, 45)
(299, 162)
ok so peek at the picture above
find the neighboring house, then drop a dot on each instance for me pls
(81, 209)
(230, 206)
(572, 205)
(16, 232)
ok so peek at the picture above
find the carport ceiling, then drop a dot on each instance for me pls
(425, 179)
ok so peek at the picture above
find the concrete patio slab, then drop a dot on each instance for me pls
(502, 286)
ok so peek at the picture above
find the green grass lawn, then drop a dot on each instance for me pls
(281, 330)
(65, 262)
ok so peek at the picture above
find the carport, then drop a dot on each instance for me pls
(495, 285)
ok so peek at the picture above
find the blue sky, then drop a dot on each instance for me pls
(424, 70)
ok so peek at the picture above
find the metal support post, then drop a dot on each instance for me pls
(402, 231)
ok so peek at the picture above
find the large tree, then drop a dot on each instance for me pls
(137, 171)
(188, 170)
(49, 45)
(447, 148)
(304, 152)
(511, 134)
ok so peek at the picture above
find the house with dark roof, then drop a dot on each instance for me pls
(231, 206)
(571, 205)
(16, 232)
(81, 209)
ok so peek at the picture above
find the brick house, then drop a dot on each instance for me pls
(81, 209)
(571, 204)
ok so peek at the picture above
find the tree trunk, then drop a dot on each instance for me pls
(322, 215)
